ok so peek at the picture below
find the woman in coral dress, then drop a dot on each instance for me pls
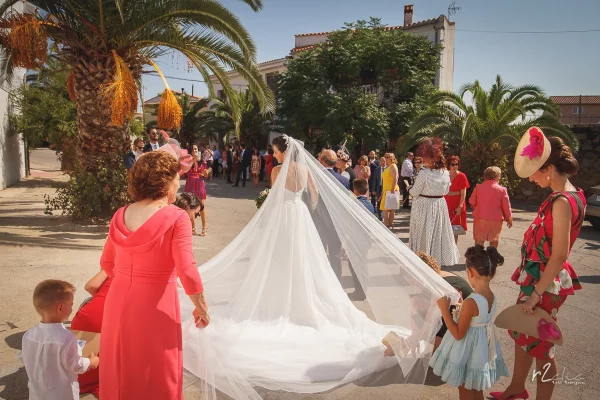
(195, 183)
(456, 199)
(149, 246)
(545, 277)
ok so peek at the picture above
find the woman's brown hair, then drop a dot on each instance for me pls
(151, 175)
(452, 160)
(432, 148)
(561, 156)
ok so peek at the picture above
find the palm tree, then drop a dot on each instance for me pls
(238, 117)
(487, 128)
(108, 43)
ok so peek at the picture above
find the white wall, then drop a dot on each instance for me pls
(12, 151)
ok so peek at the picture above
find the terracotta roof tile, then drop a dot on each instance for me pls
(387, 28)
(575, 99)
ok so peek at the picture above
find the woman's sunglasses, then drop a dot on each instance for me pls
(454, 165)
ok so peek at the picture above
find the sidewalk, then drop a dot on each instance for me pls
(34, 246)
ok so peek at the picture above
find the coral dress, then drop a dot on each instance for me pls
(269, 163)
(141, 341)
(89, 319)
(194, 182)
(535, 252)
(457, 184)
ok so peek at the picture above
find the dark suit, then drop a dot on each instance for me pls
(342, 179)
(229, 161)
(375, 187)
(129, 160)
(148, 147)
(244, 163)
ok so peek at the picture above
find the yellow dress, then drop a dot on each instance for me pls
(388, 184)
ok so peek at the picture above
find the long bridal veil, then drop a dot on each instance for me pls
(280, 295)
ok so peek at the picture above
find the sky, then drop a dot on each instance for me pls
(560, 63)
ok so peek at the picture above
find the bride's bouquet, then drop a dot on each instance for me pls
(261, 198)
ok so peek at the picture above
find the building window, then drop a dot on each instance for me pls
(578, 110)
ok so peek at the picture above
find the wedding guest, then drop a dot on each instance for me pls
(362, 169)
(329, 160)
(255, 166)
(228, 163)
(136, 151)
(545, 277)
(50, 352)
(457, 282)
(456, 197)
(406, 174)
(491, 207)
(418, 161)
(375, 185)
(208, 157)
(194, 183)
(430, 228)
(389, 178)
(469, 356)
(343, 167)
(89, 318)
(216, 161)
(149, 246)
(193, 206)
(244, 159)
(361, 190)
(152, 144)
(269, 164)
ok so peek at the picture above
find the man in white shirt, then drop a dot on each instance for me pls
(406, 174)
(51, 354)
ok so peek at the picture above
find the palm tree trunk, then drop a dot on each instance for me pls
(101, 144)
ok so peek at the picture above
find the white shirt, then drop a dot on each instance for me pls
(155, 146)
(52, 359)
(407, 168)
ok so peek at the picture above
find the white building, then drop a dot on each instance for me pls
(438, 30)
(268, 70)
(12, 147)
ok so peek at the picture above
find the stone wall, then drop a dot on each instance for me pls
(588, 156)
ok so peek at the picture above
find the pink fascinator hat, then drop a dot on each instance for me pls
(172, 147)
(532, 152)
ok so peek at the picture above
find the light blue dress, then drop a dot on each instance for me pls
(472, 362)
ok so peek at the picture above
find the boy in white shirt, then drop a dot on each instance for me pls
(51, 354)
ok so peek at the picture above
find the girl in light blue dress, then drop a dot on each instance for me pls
(470, 356)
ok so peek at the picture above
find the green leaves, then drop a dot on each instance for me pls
(365, 85)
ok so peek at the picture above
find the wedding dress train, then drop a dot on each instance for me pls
(282, 320)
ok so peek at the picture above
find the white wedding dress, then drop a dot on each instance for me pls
(281, 320)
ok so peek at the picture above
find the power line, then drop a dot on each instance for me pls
(529, 32)
(187, 79)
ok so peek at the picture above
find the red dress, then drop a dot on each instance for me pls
(195, 181)
(535, 252)
(269, 163)
(89, 319)
(141, 341)
(457, 184)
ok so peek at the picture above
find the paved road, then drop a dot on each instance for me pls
(34, 246)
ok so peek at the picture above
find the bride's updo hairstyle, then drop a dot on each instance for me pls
(432, 149)
(561, 157)
(281, 143)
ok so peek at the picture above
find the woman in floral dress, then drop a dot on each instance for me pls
(255, 166)
(545, 276)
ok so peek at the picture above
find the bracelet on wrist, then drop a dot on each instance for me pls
(537, 293)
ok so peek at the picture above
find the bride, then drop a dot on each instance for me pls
(281, 319)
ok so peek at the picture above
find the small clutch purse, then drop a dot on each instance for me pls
(538, 325)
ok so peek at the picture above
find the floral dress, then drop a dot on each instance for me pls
(255, 166)
(535, 252)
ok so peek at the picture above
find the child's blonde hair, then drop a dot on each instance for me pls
(427, 259)
(49, 293)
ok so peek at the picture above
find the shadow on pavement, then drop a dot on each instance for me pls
(14, 341)
(14, 386)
